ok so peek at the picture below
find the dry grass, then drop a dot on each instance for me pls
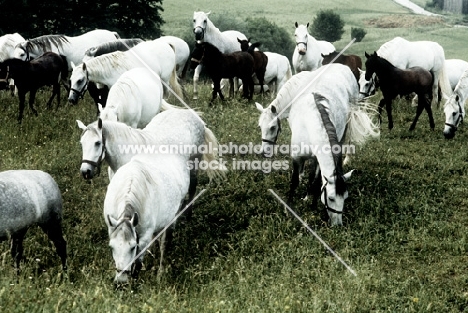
(404, 21)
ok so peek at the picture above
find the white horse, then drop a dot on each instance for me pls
(156, 55)
(454, 107)
(73, 48)
(135, 98)
(117, 143)
(429, 55)
(143, 198)
(28, 198)
(322, 114)
(8, 43)
(307, 55)
(182, 52)
(226, 42)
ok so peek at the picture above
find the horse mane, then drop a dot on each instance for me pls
(289, 91)
(112, 46)
(108, 63)
(340, 183)
(133, 187)
(46, 42)
(459, 88)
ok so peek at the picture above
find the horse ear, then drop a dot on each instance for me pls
(375, 53)
(361, 71)
(259, 107)
(111, 220)
(347, 176)
(99, 123)
(81, 125)
(72, 64)
(134, 219)
(238, 40)
(366, 54)
(84, 66)
(273, 109)
(307, 25)
(296, 24)
(208, 13)
(248, 39)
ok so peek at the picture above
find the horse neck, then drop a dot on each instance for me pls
(462, 88)
(104, 70)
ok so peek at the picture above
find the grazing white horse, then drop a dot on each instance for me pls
(73, 48)
(143, 198)
(454, 107)
(28, 198)
(322, 114)
(429, 55)
(226, 42)
(106, 69)
(307, 55)
(182, 52)
(135, 98)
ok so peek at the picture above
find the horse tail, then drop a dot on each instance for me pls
(167, 106)
(444, 83)
(216, 169)
(361, 126)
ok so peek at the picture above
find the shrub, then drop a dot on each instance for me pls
(327, 25)
(358, 33)
(273, 38)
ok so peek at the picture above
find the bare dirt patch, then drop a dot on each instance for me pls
(404, 21)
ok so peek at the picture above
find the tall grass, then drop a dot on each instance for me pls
(404, 228)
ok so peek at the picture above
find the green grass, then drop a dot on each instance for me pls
(405, 221)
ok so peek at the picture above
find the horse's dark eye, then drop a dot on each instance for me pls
(331, 199)
(98, 143)
(272, 128)
(454, 113)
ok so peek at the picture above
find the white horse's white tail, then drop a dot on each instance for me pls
(216, 169)
(361, 126)
(444, 84)
(167, 106)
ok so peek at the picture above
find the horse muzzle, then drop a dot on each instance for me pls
(449, 134)
(73, 98)
(199, 34)
(302, 51)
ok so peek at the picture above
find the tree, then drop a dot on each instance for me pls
(130, 18)
(327, 25)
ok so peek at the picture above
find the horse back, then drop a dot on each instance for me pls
(27, 197)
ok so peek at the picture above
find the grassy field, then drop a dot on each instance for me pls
(405, 222)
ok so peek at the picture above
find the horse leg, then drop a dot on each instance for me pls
(419, 110)
(427, 105)
(32, 98)
(54, 92)
(22, 99)
(315, 181)
(53, 230)
(298, 167)
(196, 77)
(17, 246)
(381, 104)
(388, 107)
(164, 244)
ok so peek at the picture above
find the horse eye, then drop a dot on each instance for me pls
(331, 199)
(454, 113)
(98, 143)
(272, 128)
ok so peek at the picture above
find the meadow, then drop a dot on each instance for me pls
(404, 228)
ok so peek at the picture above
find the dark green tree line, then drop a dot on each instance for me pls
(130, 18)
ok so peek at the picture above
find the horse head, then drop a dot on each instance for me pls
(200, 21)
(21, 51)
(94, 148)
(371, 64)
(367, 88)
(270, 126)
(334, 193)
(454, 114)
(79, 81)
(123, 241)
(301, 35)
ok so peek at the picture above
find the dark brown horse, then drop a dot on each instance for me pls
(228, 65)
(260, 59)
(353, 61)
(394, 81)
(47, 69)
